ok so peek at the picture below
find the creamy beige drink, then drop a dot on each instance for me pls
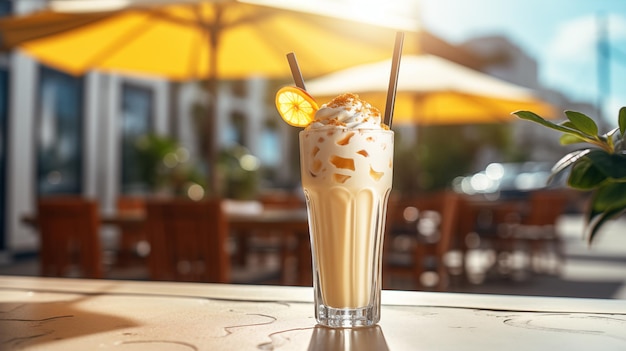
(346, 164)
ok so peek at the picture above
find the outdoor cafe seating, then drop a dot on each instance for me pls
(539, 227)
(169, 239)
(520, 233)
(433, 239)
(427, 245)
(421, 231)
(188, 241)
(265, 244)
(133, 247)
(69, 234)
(532, 228)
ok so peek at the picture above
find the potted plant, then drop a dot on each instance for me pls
(165, 166)
(599, 167)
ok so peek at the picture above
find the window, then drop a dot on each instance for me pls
(270, 149)
(136, 115)
(60, 121)
(6, 8)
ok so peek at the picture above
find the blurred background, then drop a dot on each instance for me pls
(89, 128)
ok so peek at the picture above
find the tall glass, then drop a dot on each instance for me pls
(346, 176)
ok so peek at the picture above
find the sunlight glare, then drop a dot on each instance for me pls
(88, 5)
(398, 14)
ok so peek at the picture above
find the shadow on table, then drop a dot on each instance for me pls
(24, 324)
(361, 339)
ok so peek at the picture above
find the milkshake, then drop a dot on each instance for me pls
(346, 156)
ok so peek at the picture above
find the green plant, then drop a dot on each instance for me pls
(164, 165)
(600, 167)
(238, 170)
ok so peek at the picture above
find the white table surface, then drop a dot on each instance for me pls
(75, 314)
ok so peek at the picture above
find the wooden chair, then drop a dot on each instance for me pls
(131, 236)
(276, 242)
(485, 230)
(521, 228)
(70, 242)
(188, 241)
(420, 232)
(538, 228)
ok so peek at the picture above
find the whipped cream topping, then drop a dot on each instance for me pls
(349, 112)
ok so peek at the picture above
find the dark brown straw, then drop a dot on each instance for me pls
(295, 70)
(393, 79)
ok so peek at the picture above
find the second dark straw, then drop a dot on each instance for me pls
(393, 79)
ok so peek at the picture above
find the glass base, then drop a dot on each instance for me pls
(347, 317)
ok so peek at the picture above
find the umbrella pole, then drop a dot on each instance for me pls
(212, 143)
(213, 182)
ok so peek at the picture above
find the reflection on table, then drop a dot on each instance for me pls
(76, 314)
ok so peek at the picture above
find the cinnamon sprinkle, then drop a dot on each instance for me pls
(348, 99)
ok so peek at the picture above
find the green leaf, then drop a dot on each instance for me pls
(566, 161)
(607, 202)
(568, 139)
(610, 138)
(530, 116)
(597, 222)
(585, 175)
(611, 165)
(610, 197)
(568, 124)
(582, 122)
(622, 120)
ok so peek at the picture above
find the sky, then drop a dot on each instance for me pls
(560, 34)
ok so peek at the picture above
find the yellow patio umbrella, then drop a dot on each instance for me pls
(202, 39)
(433, 91)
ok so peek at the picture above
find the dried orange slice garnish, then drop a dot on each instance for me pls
(295, 106)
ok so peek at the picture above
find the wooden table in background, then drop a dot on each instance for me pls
(291, 223)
